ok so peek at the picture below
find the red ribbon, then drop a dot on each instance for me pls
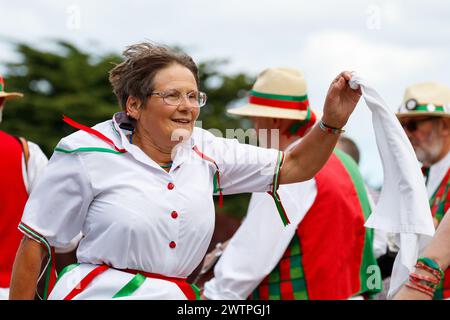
(86, 281)
(79, 126)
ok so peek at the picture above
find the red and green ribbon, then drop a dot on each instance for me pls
(280, 101)
(50, 278)
(81, 286)
(216, 180)
(274, 193)
(87, 149)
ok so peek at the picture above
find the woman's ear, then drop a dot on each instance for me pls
(133, 107)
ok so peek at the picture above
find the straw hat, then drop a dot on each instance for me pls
(277, 93)
(426, 99)
(7, 95)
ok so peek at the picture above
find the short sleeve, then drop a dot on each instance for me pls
(36, 165)
(245, 168)
(58, 204)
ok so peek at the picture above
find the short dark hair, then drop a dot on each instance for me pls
(134, 76)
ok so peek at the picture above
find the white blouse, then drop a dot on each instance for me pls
(131, 212)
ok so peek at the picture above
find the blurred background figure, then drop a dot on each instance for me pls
(325, 253)
(425, 117)
(349, 147)
(21, 163)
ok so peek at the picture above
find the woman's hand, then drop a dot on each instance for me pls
(340, 102)
(304, 160)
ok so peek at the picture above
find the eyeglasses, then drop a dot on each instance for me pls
(174, 97)
(412, 125)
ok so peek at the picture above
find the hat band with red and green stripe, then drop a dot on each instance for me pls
(279, 101)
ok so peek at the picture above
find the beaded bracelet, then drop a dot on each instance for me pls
(424, 262)
(418, 288)
(431, 282)
(423, 283)
(422, 286)
(329, 129)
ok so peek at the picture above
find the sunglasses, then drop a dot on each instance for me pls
(412, 125)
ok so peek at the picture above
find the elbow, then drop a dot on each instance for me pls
(310, 175)
(295, 170)
(312, 171)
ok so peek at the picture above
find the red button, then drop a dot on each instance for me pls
(174, 214)
(170, 186)
(172, 244)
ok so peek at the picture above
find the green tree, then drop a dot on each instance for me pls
(66, 81)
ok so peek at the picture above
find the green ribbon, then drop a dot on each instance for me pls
(279, 96)
(167, 166)
(131, 286)
(44, 241)
(67, 269)
(424, 107)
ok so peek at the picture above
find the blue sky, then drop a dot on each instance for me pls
(391, 43)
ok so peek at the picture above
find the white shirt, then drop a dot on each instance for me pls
(260, 242)
(122, 205)
(437, 173)
(35, 166)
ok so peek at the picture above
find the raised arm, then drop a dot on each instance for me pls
(307, 158)
(26, 270)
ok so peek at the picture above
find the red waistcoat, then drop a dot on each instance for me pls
(13, 196)
(330, 248)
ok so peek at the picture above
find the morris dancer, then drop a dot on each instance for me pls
(21, 164)
(139, 187)
(425, 116)
(325, 253)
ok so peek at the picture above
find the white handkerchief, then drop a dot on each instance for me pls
(403, 206)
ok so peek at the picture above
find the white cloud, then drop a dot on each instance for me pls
(335, 51)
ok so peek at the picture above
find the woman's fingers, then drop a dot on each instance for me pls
(347, 75)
